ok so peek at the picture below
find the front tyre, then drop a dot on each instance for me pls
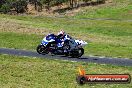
(42, 49)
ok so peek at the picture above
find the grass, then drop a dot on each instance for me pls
(111, 38)
(29, 72)
(106, 38)
(19, 41)
(113, 28)
(30, 42)
(117, 9)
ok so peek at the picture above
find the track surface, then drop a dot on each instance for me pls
(114, 61)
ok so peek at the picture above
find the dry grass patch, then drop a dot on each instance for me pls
(13, 26)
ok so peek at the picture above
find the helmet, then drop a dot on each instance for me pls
(61, 34)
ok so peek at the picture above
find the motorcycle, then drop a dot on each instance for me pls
(54, 45)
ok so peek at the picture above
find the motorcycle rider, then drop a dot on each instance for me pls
(59, 37)
(62, 36)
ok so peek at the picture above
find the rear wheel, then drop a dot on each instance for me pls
(77, 53)
(42, 49)
(80, 52)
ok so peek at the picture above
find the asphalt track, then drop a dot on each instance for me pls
(100, 60)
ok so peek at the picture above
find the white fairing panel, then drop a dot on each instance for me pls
(52, 40)
(81, 42)
(66, 38)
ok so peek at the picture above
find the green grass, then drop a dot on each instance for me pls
(118, 9)
(30, 42)
(19, 41)
(29, 72)
(112, 28)
(106, 38)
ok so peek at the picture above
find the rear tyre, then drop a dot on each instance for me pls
(80, 52)
(42, 49)
(77, 53)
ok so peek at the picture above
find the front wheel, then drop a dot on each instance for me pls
(42, 49)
